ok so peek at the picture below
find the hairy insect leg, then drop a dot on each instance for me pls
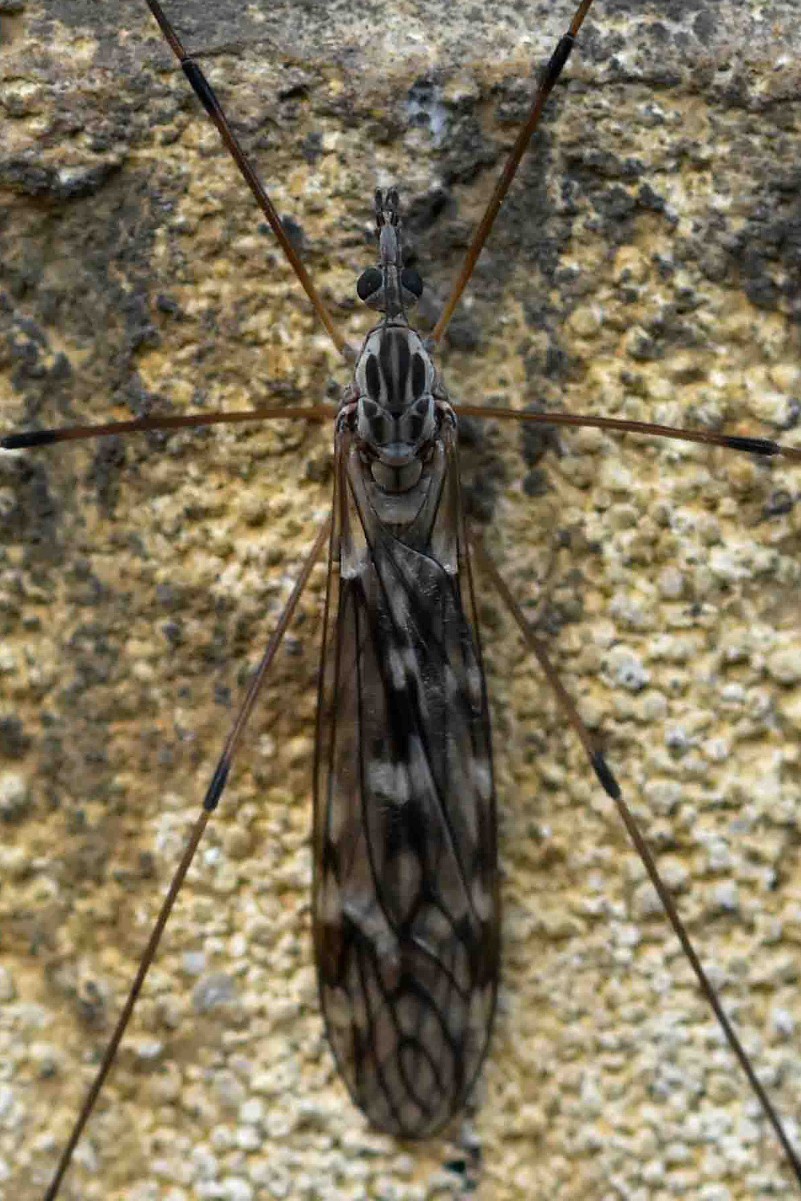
(210, 802)
(30, 439)
(753, 446)
(548, 81)
(205, 94)
(612, 788)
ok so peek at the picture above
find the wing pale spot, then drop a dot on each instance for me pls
(407, 1010)
(453, 690)
(474, 689)
(389, 781)
(364, 912)
(459, 967)
(481, 1003)
(397, 668)
(419, 771)
(355, 993)
(338, 1006)
(418, 1069)
(330, 911)
(483, 901)
(407, 877)
(432, 929)
(482, 778)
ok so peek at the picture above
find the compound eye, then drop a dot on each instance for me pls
(412, 281)
(369, 282)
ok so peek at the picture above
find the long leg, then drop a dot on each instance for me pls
(552, 72)
(210, 802)
(613, 790)
(29, 439)
(753, 446)
(204, 92)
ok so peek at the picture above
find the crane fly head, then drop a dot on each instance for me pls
(389, 287)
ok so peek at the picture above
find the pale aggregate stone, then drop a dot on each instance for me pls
(15, 797)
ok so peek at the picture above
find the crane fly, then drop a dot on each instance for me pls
(406, 898)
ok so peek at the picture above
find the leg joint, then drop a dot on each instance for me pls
(215, 789)
(558, 59)
(201, 86)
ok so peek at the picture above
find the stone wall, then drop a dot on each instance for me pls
(646, 266)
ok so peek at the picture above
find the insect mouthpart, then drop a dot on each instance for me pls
(390, 287)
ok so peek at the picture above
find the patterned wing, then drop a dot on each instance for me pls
(406, 890)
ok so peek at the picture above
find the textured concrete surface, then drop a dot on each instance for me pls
(647, 265)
